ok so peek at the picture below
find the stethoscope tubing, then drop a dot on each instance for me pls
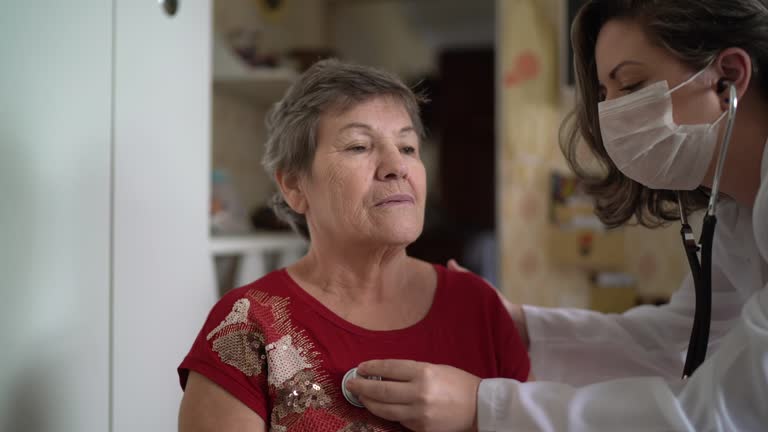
(701, 271)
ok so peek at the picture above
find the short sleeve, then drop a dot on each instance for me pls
(511, 354)
(230, 351)
(504, 343)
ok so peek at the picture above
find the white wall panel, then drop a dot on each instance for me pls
(55, 150)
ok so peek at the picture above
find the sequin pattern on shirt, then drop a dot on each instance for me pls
(259, 339)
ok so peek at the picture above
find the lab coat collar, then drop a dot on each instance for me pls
(735, 222)
(761, 209)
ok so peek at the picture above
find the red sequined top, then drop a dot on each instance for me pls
(283, 354)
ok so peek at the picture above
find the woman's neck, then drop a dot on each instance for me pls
(359, 274)
(741, 173)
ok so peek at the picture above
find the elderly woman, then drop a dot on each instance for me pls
(343, 148)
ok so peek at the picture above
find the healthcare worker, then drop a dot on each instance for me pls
(658, 82)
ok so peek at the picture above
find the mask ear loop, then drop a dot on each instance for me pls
(692, 78)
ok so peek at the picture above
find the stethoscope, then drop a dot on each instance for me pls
(702, 271)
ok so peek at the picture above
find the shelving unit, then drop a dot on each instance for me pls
(258, 252)
(261, 86)
(255, 243)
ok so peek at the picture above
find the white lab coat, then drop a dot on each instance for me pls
(622, 372)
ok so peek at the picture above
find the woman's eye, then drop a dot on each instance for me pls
(409, 150)
(357, 148)
(632, 87)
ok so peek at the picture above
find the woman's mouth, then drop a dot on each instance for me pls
(396, 199)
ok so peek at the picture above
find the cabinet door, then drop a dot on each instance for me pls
(55, 151)
(163, 276)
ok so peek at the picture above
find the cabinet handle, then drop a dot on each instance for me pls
(169, 6)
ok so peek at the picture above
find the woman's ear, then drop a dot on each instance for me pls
(290, 186)
(735, 66)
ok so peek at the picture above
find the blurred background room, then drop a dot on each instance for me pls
(131, 135)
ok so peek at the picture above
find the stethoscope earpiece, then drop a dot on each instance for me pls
(722, 85)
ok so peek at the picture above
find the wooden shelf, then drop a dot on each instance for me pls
(260, 85)
(254, 243)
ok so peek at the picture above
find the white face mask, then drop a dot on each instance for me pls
(646, 145)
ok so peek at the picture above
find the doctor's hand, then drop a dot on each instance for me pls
(420, 396)
(516, 311)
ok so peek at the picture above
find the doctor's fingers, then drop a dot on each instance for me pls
(389, 392)
(394, 370)
(417, 418)
(393, 412)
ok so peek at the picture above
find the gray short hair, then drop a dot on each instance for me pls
(292, 122)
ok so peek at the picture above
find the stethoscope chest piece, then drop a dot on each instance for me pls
(352, 399)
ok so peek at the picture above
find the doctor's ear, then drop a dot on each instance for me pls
(734, 66)
(291, 186)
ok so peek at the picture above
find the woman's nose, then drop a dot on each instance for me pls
(392, 165)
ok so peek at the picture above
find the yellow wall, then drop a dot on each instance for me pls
(531, 108)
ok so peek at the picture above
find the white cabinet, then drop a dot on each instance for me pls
(104, 168)
(163, 276)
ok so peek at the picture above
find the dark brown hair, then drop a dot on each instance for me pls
(694, 31)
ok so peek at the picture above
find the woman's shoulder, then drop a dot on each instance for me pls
(465, 280)
(466, 288)
(270, 291)
(273, 283)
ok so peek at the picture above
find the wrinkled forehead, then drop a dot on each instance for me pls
(384, 110)
(345, 104)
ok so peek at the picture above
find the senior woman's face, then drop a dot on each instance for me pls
(367, 183)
